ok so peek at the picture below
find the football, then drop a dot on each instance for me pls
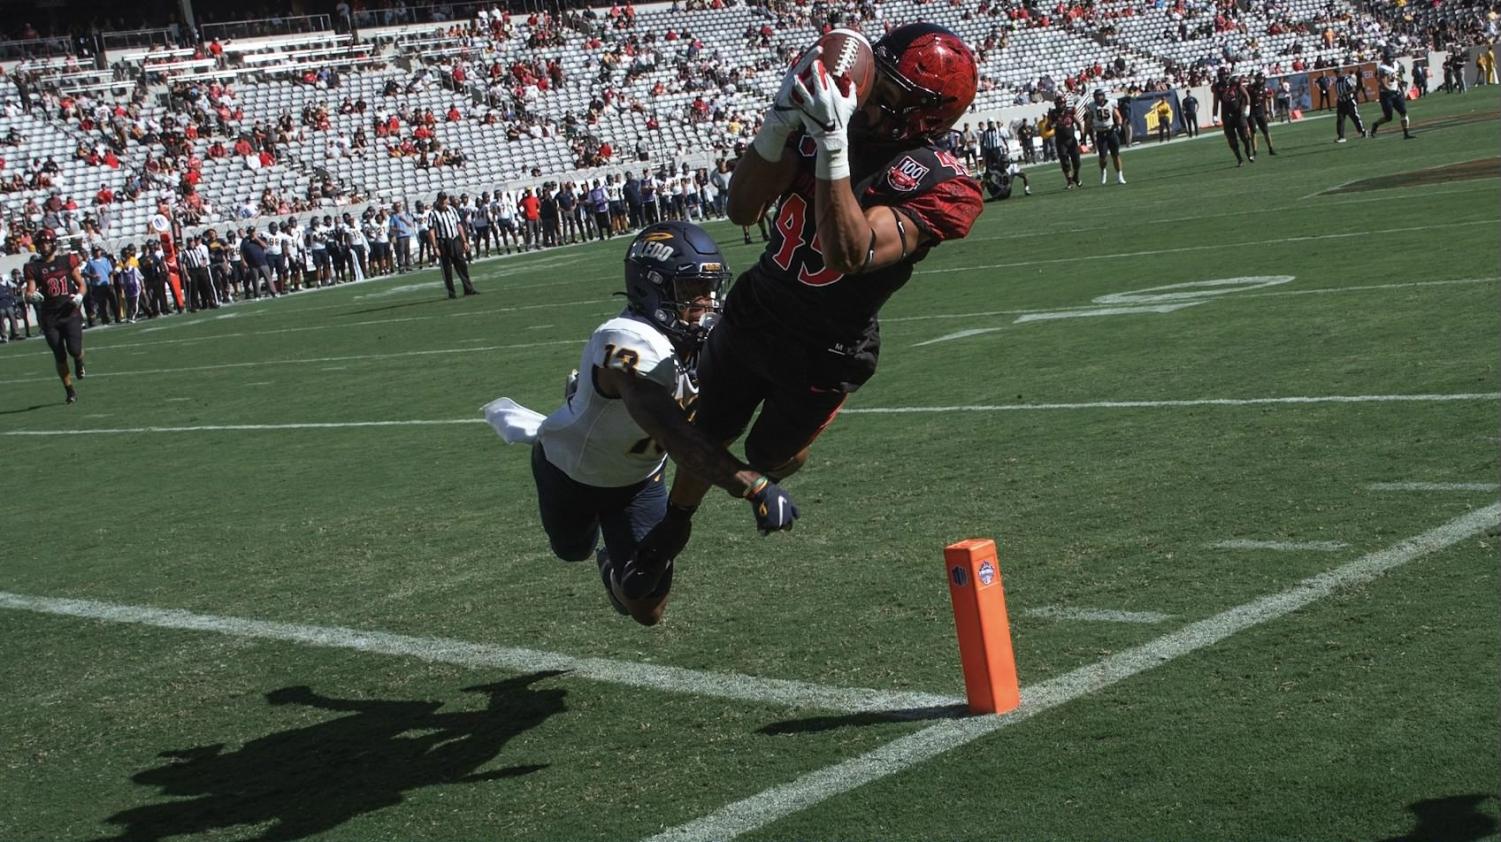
(848, 57)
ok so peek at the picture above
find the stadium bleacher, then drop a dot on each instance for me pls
(726, 57)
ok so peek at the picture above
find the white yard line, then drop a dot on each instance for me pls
(766, 807)
(366, 323)
(1280, 546)
(1433, 486)
(733, 686)
(1094, 615)
(870, 410)
(1311, 399)
(1183, 249)
(310, 360)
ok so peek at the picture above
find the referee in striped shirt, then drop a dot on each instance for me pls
(445, 232)
(195, 259)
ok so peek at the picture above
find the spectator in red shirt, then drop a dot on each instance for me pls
(104, 196)
(242, 147)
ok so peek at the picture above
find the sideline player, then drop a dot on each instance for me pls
(1231, 104)
(1389, 76)
(1065, 125)
(1259, 95)
(1104, 121)
(1000, 170)
(54, 282)
(863, 194)
(598, 460)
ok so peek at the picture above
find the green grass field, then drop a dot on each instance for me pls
(235, 608)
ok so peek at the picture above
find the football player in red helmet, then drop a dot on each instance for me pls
(54, 284)
(862, 193)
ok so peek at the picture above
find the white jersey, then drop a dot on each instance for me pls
(1388, 74)
(592, 438)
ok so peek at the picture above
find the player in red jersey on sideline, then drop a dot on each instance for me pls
(54, 283)
(863, 192)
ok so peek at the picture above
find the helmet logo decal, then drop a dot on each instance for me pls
(651, 250)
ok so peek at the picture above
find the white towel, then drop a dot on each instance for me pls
(514, 422)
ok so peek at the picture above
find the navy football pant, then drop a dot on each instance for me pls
(574, 514)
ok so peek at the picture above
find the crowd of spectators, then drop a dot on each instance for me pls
(633, 75)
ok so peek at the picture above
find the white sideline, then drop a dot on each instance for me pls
(1433, 486)
(1279, 546)
(870, 410)
(1094, 615)
(762, 809)
(733, 686)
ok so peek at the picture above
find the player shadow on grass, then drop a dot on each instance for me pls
(817, 724)
(31, 408)
(313, 778)
(425, 302)
(1453, 819)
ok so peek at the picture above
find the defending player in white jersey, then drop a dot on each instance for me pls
(598, 460)
(1393, 97)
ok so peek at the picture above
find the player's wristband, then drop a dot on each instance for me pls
(756, 487)
(771, 140)
(833, 163)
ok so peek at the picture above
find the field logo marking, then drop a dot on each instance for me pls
(1168, 298)
(1193, 290)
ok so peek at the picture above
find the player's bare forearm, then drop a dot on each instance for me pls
(756, 184)
(842, 228)
(856, 239)
(659, 415)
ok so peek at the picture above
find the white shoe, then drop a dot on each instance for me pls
(1340, 140)
(1120, 179)
(1027, 190)
(1104, 177)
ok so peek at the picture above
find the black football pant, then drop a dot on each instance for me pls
(1068, 158)
(64, 336)
(106, 304)
(451, 256)
(1348, 109)
(1191, 125)
(1238, 135)
(575, 516)
(200, 289)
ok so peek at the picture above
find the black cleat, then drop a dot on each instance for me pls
(606, 574)
(471, 292)
(72, 395)
(78, 370)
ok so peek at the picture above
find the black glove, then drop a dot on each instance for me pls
(654, 555)
(772, 506)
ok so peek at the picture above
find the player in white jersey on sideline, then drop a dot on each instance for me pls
(598, 460)
(1393, 95)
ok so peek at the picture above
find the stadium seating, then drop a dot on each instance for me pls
(1142, 37)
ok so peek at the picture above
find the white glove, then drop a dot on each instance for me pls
(35, 297)
(826, 113)
(781, 118)
(77, 299)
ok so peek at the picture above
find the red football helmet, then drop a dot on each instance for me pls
(926, 80)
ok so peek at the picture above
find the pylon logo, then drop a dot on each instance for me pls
(960, 575)
(987, 572)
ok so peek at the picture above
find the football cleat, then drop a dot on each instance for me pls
(607, 576)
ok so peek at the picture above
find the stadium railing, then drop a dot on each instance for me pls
(264, 27)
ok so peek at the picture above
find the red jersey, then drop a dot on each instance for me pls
(789, 292)
(54, 280)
